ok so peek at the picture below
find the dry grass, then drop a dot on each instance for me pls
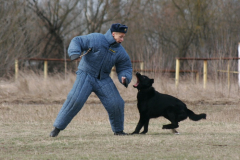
(25, 135)
(25, 126)
(32, 88)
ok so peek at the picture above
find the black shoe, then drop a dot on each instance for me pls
(54, 132)
(121, 133)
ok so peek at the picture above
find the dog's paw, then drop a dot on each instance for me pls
(143, 132)
(135, 133)
(175, 131)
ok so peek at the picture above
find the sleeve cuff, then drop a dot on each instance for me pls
(74, 56)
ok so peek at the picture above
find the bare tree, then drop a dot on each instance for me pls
(158, 31)
(55, 22)
(17, 38)
(176, 25)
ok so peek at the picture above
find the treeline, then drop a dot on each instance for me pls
(159, 30)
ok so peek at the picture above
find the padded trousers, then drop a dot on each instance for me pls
(106, 91)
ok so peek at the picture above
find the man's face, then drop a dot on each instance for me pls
(118, 36)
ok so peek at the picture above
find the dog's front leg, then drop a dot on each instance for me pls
(142, 121)
(138, 127)
(145, 127)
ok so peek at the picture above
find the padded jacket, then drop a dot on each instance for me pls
(104, 54)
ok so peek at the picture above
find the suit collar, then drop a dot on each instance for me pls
(110, 39)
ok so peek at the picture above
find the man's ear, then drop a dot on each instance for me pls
(152, 81)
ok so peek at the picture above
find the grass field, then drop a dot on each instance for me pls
(29, 106)
(25, 135)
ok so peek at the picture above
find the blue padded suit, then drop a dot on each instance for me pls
(93, 76)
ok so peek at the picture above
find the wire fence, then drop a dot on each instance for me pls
(141, 69)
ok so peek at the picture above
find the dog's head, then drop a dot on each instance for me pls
(143, 82)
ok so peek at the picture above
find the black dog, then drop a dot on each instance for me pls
(152, 104)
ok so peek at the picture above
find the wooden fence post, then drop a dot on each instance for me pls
(204, 74)
(228, 73)
(239, 64)
(141, 66)
(197, 78)
(65, 69)
(76, 63)
(112, 72)
(45, 69)
(177, 72)
(65, 57)
(16, 69)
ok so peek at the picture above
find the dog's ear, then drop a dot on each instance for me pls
(152, 81)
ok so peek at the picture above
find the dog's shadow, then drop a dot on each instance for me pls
(157, 134)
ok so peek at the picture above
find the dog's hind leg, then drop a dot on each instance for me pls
(170, 126)
(173, 119)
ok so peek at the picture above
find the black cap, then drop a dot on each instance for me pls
(117, 27)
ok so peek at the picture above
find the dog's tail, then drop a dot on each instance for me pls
(195, 117)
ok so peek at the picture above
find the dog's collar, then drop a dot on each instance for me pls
(149, 88)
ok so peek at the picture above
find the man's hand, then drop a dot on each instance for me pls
(123, 80)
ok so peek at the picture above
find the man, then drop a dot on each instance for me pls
(104, 51)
